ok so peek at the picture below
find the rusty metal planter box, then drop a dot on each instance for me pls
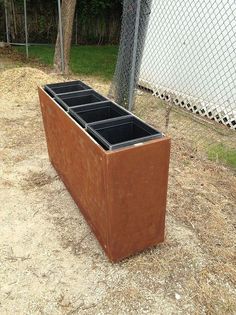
(121, 193)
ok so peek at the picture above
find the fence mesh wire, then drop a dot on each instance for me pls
(183, 65)
(133, 33)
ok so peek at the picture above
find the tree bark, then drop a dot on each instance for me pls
(67, 11)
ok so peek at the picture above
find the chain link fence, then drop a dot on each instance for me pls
(179, 58)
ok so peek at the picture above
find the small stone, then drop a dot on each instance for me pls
(177, 296)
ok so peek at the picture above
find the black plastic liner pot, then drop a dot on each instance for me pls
(122, 132)
(79, 98)
(66, 87)
(97, 112)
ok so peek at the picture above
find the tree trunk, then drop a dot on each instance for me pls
(67, 11)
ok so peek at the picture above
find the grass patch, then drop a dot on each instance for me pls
(220, 152)
(43, 54)
(85, 60)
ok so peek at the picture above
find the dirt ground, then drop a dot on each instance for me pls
(50, 262)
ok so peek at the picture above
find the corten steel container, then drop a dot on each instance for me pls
(121, 193)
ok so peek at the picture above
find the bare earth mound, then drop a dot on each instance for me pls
(21, 83)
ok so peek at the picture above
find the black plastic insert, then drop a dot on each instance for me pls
(97, 112)
(66, 87)
(79, 98)
(122, 132)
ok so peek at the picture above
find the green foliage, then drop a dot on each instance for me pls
(97, 7)
(85, 60)
(98, 21)
(222, 153)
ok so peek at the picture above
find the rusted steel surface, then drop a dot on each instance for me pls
(80, 163)
(137, 181)
(121, 193)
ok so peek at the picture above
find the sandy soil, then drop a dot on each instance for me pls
(50, 262)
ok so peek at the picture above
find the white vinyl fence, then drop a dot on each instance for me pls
(190, 56)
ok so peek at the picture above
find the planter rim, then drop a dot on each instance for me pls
(107, 152)
(49, 87)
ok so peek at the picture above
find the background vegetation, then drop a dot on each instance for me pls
(96, 21)
(84, 60)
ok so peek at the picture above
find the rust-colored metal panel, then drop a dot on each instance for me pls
(121, 193)
(79, 161)
(137, 184)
